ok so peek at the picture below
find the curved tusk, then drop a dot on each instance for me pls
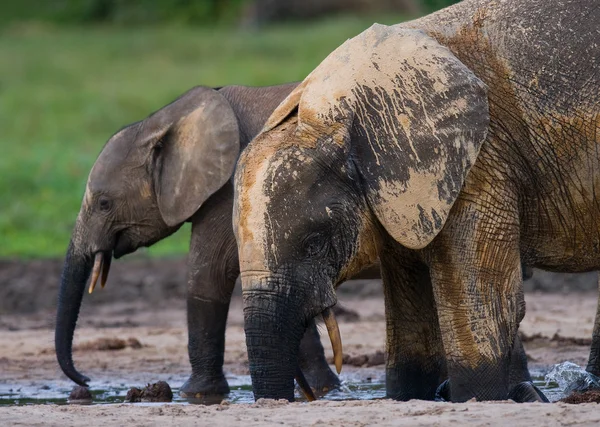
(304, 386)
(335, 337)
(98, 262)
(105, 269)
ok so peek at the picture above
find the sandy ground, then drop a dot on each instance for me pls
(27, 357)
(356, 413)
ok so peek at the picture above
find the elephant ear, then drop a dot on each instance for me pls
(287, 107)
(199, 143)
(409, 114)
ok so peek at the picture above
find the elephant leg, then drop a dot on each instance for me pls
(519, 372)
(213, 268)
(477, 282)
(415, 363)
(313, 363)
(520, 383)
(593, 365)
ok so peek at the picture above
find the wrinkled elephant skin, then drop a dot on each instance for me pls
(453, 147)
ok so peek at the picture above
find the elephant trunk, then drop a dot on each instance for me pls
(275, 322)
(76, 271)
(274, 328)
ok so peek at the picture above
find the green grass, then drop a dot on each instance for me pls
(64, 91)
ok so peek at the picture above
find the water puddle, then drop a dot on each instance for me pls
(354, 386)
(556, 382)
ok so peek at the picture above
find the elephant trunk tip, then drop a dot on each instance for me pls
(69, 370)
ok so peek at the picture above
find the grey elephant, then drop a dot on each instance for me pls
(150, 178)
(451, 147)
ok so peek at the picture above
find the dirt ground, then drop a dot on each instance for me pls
(557, 328)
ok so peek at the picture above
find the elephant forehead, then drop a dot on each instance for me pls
(266, 178)
(249, 214)
(109, 172)
(268, 156)
(115, 152)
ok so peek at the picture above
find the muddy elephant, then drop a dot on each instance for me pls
(150, 178)
(450, 147)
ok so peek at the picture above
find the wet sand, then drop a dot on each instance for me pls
(561, 323)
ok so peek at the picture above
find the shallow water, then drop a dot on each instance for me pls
(241, 392)
(555, 382)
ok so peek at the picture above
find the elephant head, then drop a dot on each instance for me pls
(377, 140)
(149, 178)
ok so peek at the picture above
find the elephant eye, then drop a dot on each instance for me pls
(314, 245)
(104, 204)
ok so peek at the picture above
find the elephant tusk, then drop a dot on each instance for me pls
(105, 269)
(335, 337)
(304, 386)
(98, 263)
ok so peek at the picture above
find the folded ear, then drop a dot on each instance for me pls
(199, 146)
(413, 118)
(283, 110)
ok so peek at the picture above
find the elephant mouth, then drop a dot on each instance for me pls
(102, 261)
(122, 245)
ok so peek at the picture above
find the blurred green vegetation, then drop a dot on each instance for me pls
(72, 72)
(132, 12)
(432, 5)
(64, 90)
(122, 11)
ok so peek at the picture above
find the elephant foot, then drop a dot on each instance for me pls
(522, 392)
(321, 379)
(204, 390)
(527, 392)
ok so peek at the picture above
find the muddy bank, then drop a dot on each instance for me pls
(132, 342)
(129, 344)
(31, 286)
(134, 332)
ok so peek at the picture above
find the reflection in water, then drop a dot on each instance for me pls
(556, 382)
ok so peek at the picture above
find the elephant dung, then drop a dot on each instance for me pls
(157, 392)
(590, 396)
(80, 395)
